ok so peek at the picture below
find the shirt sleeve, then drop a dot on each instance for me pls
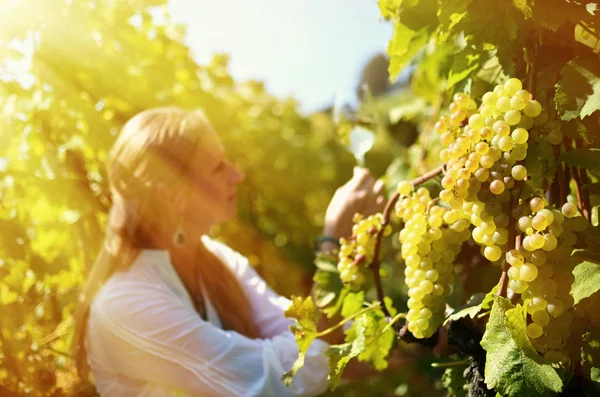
(268, 307)
(154, 337)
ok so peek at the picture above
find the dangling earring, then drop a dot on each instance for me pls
(179, 236)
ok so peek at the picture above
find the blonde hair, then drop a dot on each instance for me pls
(153, 147)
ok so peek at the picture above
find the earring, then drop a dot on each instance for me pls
(179, 236)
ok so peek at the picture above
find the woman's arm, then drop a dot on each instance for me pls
(152, 336)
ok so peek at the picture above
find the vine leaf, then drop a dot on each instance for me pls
(476, 304)
(340, 355)
(590, 354)
(403, 46)
(578, 92)
(305, 315)
(587, 280)
(513, 367)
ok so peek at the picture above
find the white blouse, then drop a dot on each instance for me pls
(145, 338)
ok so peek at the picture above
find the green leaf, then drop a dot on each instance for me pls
(389, 8)
(552, 14)
(340, 355)
(7, 296)
(305, 316)
(377, 344)
(583, 158)
(513, 367)
(327, 286)
(455, 382)
(587, 280)
(475, 304)
(578, 92)
(430, 74)
(590, 354)
(525, 6)
(450, 12)
(464, 63)
(353, 302)
(334, 309)
(403, 46)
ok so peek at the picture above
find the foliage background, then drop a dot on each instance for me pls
(93, 66)
(96, 64)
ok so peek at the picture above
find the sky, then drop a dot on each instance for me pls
(309, 49)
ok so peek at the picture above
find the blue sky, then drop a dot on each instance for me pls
(309, 49)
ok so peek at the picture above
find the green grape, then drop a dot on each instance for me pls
(489, 99)
(503, 104)
(555, 307)
(506, 143)
(550, 242)
(554, 137)
(528, 272)
(519, 152)
(512, 117)
(534, 331)
(536, 204)
(476, 121)
(515, 258)
(520, 135)
(501, 128)
(492, 253)
(404, 188)
(569, 210)
(519, 172)
(518, 102)
(512, 85)
(539, 222)
(532, 108)
(540, 318)
(497, 187)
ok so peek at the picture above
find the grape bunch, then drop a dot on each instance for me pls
(431, 238)
(356, 252)
(541, 271)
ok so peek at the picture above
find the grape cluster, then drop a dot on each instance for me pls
(484, 158)
(541, 271)
(356, 252)
(431, 238)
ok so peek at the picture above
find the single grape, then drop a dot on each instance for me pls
(569, 210)
(503, 104)
(512, 85)
(497, 187)
(520, 135)
(536, 204)
(492, 253)
(518, 102)
(512, 117)
(528, 272)
(534, 331)
(519, 172)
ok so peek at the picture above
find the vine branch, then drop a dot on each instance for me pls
(387, 212)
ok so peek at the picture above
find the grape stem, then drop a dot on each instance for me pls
(374, 306)
(450, 364)
(387, 212)
(514, 201)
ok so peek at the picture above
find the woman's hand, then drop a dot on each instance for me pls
(362, 194)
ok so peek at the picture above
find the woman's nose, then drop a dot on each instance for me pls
(237, 175)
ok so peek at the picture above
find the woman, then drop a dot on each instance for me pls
(166, 311)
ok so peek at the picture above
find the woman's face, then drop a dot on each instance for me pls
(214, 180)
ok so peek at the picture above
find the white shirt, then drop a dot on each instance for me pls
(145, 337)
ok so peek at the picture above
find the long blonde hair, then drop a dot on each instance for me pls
(153, 147)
